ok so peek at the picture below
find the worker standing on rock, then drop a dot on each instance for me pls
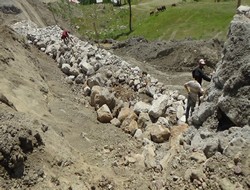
(194, 90)
(198, 74)
(65, 36)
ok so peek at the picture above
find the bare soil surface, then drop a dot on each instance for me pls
(76, 146)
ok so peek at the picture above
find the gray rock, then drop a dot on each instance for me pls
(141, 107)
(86, 91)
(116, 122)
(201, 114)
(138, 133)
(149, 154)
(151, 90)
(66, 68)
(234, 146)
(86, 67)
(158, 107)
(80, 79)
(211, 147)
(163, 121)
(143, 120)
(180, 111)
(243, 9)
(74, 71)
(229, 90)
(96, 80)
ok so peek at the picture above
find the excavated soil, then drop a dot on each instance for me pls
(170, 62)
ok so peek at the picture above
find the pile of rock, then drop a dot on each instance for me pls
(107, 78)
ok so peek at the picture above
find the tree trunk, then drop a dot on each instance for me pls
(96, 34)
(130, 16)
(238, 3)
(69, 14)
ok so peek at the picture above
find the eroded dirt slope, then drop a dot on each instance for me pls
(76, 146)
(76, 152)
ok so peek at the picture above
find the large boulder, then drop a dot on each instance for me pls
(100, 96)
(129, 126)
(104, 115)
(127, 112)
(141, 107)
(157, 133)
(158, 107)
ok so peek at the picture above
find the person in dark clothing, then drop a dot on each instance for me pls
(198, 74)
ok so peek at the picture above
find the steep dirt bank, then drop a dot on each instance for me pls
(35, 11)
(76, 146)
(77, 152)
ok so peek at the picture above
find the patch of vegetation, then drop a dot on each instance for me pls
(203, 19)
(197, 20)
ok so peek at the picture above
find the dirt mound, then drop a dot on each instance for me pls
(171, 55)
(10, 10)
(17, 142)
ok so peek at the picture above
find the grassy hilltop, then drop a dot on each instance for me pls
(202, 19)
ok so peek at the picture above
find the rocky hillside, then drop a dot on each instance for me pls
(77, 116)
(228, 98)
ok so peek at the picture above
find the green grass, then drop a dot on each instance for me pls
(189, 20)
(109, 21)
(197, 20)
